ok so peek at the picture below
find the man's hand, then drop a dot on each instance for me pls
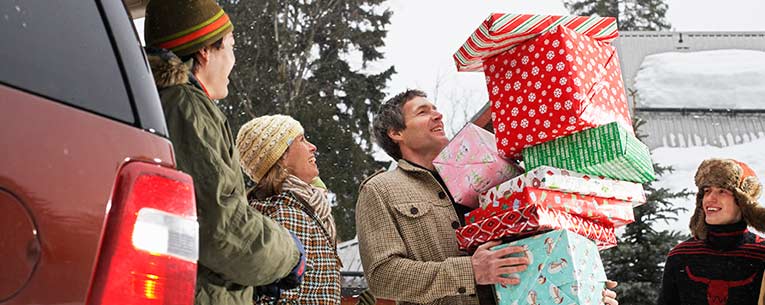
(609, 296)
(489, 266)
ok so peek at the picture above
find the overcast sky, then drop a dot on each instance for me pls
(424, 34)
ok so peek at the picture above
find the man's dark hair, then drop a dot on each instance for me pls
(391, 117)
(217, 45)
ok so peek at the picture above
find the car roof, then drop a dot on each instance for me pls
(137, 8)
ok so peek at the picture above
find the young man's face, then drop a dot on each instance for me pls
(720, 206)
(424, 131)
(220, 63)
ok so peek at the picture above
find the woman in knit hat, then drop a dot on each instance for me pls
(238, 247)
(723, 262)
(276, 155)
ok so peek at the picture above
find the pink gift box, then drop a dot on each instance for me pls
(470, 165)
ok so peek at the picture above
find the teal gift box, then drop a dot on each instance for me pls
(564, 268)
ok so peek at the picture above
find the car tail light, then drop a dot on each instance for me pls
(150, 248)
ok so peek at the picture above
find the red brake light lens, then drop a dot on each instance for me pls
(150, 246)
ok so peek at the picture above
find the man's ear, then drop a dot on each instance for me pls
(203, 56)
(395, 135)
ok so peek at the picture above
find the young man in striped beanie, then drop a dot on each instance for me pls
(190, 45)
(723, 262)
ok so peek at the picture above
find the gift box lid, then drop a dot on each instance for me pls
(501, 32)
(564, 268)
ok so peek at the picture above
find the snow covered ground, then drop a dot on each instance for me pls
(732, 79)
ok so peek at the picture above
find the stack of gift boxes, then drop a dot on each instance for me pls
(558, 105)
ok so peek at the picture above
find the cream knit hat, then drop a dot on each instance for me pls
(263, 140)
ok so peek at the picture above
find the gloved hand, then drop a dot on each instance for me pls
(295, 277)
(291, 281)
(272, 290)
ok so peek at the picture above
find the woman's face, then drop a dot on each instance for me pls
(300, 160)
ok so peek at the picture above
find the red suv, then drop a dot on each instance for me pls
(92, 209)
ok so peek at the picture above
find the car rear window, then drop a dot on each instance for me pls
(61, 50)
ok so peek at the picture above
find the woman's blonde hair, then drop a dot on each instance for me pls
(271, 183)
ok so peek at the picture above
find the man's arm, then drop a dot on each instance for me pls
(236, 241)
(389, 273)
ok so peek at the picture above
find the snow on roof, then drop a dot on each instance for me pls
(685, 161)
(723, 79)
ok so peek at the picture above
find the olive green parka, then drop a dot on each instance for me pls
(239, 248)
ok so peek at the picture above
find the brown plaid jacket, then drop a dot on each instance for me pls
(321, 281)
(405, 223)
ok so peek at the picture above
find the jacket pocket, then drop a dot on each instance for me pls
(413, 210)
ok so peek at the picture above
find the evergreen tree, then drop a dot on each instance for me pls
(631, 15)
(637, 263)
(297, 57)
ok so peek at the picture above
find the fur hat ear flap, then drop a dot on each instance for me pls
(751, 212)
(698, 224)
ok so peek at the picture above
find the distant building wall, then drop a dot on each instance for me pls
(634, 46)
(700, 127)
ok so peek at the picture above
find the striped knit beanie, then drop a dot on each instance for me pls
(184, 26)
(263, 140)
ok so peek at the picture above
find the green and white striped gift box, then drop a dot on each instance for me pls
(608, 151)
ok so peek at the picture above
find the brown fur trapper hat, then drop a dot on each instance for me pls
(736, 177)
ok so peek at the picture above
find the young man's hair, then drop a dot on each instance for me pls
(391, 117)
(217, 45)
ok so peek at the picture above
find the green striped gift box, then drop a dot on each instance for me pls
(608, 151)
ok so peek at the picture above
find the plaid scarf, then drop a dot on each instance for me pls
(316, 200)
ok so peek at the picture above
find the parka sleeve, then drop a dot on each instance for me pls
(389, 273)
(297, 222)
(236, 241)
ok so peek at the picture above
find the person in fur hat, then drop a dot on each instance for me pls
(190, 47)
(723, 262)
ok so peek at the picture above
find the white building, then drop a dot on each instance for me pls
(694, 118)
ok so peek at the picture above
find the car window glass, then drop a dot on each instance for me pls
(61, 50)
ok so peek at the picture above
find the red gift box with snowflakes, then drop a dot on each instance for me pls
(552, 86)
(531, 220)
(502, 198)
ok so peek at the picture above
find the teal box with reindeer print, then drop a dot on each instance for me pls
(565, 268)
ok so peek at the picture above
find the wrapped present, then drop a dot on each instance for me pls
(564, 268)
(552, 86)
(503, 198)
(530, 220)
(551, 178)
(470, 165)
(608, 151)
(501, 32)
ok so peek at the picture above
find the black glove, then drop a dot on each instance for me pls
(272, 291)
(291, 281)
(295, 277)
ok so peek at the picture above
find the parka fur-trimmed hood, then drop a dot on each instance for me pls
(167, 68)
(736, 177)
